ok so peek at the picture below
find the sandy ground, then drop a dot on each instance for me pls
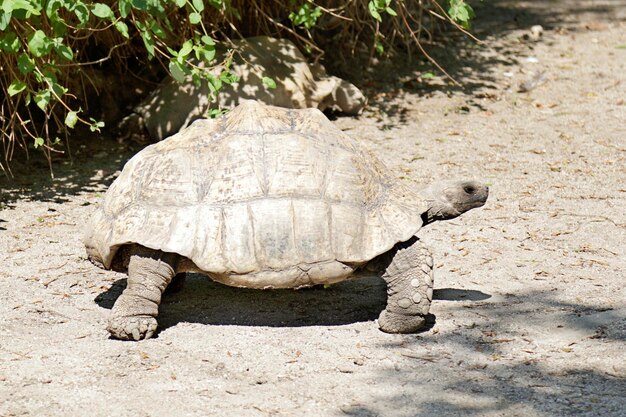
(529, 316)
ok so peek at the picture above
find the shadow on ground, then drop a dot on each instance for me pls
(204, 301)
(493, 367)
(483, 384)
(499, 390)
(467, 61)
(92, 165)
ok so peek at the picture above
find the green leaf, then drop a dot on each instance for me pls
(305, 16)
(158, 30)
(95, 125)
(71, 119)
(269, 83)
(148, 42)
(122, 28)
(379, 47)
(214, 83)
(81, 11)
(185, 49)
(58, 89)
(428, 75)
(207, 40)
(172, 52)
(461, 12)
(102, 11)
(198, 5)
(9, 6)
(206, 53)
(25, 64)
(140, 4)
(124, 6)
(194, 18)
(390, 11)
(215, 113)
(10, 42)
(16, 87)
(49, 71)
(39, 142)
(5, 19)
(39, 44)
(230, 78)
(59, 26)
(52, 8)
(64, 51)
(196, 79)
(181, 3)
(374, 11)
(178, 71)
(42, 98)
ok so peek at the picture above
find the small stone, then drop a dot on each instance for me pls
(415, 282)
(428, 278)
(404, 303)
(429, 294)
(417, 298)
(536, 32)
(426, 269)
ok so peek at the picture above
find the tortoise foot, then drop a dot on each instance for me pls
(132, 327)
(399, 323)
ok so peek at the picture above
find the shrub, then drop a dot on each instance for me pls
(47, 47)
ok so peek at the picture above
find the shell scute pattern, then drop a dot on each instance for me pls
(260, 189)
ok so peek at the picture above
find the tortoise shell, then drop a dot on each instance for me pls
(260, 189)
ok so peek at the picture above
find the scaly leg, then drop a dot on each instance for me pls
(409, 276)
(134, 314)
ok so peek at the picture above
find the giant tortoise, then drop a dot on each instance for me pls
(265, 197)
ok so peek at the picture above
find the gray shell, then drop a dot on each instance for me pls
(262, 188)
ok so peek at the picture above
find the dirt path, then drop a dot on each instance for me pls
(530, 302)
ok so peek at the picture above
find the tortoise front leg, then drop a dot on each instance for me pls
(409, 277)
(133, 316)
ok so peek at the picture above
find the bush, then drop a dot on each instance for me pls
(49, 46)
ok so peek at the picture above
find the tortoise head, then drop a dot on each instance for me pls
(449, 199)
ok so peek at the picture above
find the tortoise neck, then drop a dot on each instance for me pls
(438, 211)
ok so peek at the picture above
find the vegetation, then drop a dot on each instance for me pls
(50, 48)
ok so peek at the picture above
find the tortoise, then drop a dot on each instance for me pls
(265, 197)
(174, 105)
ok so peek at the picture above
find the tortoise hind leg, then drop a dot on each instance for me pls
(408, 271)
(133, 316)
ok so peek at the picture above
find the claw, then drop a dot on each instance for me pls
(132, 327)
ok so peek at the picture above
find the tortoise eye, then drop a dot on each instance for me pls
(469, 189)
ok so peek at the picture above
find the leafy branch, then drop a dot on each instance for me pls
(43, 42)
